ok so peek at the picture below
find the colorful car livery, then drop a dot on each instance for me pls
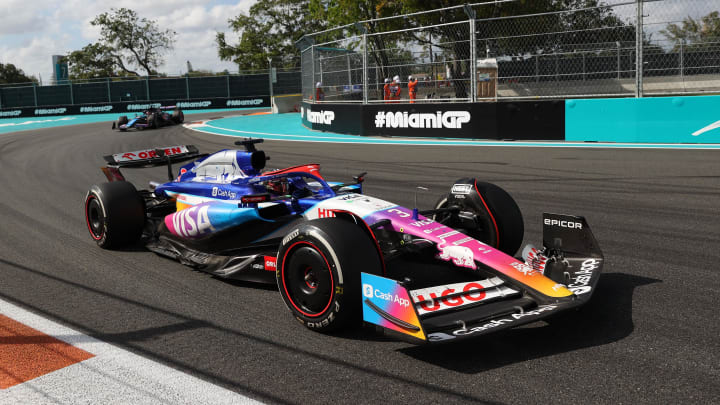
(339, 256)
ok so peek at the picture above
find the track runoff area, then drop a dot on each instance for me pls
(8, 125)
(42, 361)
(260, 123)
(45, 362)
(287, 127)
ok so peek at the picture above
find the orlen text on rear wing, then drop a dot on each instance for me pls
(153, 157)
(149, 158)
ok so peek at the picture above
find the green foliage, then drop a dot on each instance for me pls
(11, 74)
(91, 62)
(544, 30)
(133, 41)
(695, 33)
(343, 12)
(270, 29)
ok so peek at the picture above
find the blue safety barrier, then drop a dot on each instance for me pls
(692, 119)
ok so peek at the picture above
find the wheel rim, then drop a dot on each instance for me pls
(94, 217)
(311, 279)
(307, 279)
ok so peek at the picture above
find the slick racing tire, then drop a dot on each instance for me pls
(178, 116)
(152, 121)
(115, 214)
(494, 217)
(123, 120)
(318, 272)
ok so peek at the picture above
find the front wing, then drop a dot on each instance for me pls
(469, 309)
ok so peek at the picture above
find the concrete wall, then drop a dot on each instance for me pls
(286, 103)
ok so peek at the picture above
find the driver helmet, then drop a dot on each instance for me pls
(278, 186)
(318, 84)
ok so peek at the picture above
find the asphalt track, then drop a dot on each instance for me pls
(649, 335)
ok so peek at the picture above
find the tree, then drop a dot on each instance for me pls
(695, 33)
(270, 29)
(91, 62)
(132, 41)
(344, 12)
(11, 74)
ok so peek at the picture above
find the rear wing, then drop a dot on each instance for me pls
(154, 157)
(149, 158)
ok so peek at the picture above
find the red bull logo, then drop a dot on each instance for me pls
(460, 255)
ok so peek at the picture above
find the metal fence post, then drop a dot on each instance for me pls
(227, 77)
(473, 63)
(347, 58)
(320, 67)
(270, 79)
(682, 61)
(187, 87)
(108, 90)
(432, 61)
(639, 50)
(312, 71)
(147, 87)
(35, 93)
(0, 98)
(364, 69)
(377, 80)
(618, 59)
(470, 12)
(72, 97)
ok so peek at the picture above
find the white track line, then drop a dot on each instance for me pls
(451, 142)
(113, 376)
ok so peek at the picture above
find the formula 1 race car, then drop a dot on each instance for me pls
(339, 256)
(154, 117)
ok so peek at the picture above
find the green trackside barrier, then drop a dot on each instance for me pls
(690, 119)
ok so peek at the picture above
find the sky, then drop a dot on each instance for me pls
(31, 31)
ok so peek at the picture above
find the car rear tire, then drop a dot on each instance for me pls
(123, 120)
(497, 218)
(152, 121)
(115, 214)
(178, 116)
(318, 272)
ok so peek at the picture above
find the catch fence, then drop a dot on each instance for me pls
(486, 52)
(148, 89)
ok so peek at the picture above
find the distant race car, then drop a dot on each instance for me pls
(339, 256)
(155, 117)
